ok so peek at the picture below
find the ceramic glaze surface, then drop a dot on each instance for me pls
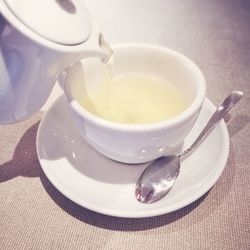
(74, 167)
(30, 64)
(62, 18)
(143, 142)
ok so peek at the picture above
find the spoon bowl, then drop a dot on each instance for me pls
(152, 190)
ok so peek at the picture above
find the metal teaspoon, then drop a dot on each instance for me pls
(160, 175)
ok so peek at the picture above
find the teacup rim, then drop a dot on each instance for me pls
(171, 122)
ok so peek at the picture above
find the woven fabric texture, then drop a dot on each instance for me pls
(216, 35)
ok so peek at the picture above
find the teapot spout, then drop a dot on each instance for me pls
(95, 47)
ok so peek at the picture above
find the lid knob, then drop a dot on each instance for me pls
(61, 21)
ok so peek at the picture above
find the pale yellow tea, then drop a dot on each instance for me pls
(134, 99)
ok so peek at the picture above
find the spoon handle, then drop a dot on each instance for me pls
(227, 104)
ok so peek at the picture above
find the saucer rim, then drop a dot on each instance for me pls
(222, 161)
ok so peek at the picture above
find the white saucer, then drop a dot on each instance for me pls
(102, 185)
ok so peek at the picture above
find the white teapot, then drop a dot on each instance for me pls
(38, 40)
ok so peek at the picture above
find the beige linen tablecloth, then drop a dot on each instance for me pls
(216, 35)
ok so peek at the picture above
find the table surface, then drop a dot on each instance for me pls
(216, 35)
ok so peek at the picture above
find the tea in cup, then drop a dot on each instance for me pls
(140, 111)
(133, 99)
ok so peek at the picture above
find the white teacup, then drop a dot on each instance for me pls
(140, 143)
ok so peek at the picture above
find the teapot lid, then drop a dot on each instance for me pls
(65, 22)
